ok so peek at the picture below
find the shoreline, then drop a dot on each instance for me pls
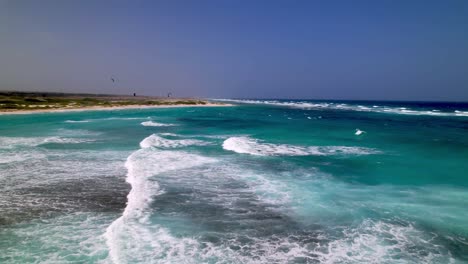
(106, 108)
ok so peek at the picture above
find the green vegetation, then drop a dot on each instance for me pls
(11, 101)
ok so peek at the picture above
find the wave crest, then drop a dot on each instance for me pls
(127, 236)
(247, 145)
(352, 107)
(160, 142)
(155, 124)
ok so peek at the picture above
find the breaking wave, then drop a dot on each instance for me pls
(247, 145)
(76, 121)
(352, 107)
(155, 124)
(132, 236)
(160, 142)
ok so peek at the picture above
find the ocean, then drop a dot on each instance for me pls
(264, 181)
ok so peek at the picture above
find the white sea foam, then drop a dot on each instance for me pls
(13, 156)
(76, 121)
(63, 132)
(61, 239)
(169, 134)
(61, 140)
(247, 145)
(371, 242)
(160, 142)
(350, 107)
(155, 124)
(267, 189)
(195, 136)
(134, 239)
(382, 242)
(14, 142)
(155, 244)
(145, 163)
(359, 132)
(461, 113)
(37, 166)
(131, 236)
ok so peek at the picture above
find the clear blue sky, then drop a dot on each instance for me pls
(391, 50)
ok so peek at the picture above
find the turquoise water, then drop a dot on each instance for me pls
(260, 182)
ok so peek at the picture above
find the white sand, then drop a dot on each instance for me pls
(104, 108)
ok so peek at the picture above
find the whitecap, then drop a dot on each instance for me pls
(195, 136)
(129, 236)
(76, 121)
(61, 140)
(133, 238)
(247, 145)
(359, 132)
(350, 107)
(155, 124)
(169, 134)
(121, 118)
(461, 113)
(160, 142)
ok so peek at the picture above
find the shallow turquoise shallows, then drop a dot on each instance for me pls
(260, 182)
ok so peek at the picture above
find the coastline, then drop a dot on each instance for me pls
(106, 108)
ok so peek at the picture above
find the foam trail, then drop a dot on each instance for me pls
(155, 124)
(20, 156)
(381, 242)
(160, 142)
(196, 136)
(62, 132)
(350, 107)
(13, 142)
(131, 234)
(169, 134)
(77, 121)
(247, 145)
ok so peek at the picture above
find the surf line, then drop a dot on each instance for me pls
(133, 228)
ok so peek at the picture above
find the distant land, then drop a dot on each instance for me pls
(13, 101)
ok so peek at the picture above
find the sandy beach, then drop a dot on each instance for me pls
(104, 108)
(44, 102)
